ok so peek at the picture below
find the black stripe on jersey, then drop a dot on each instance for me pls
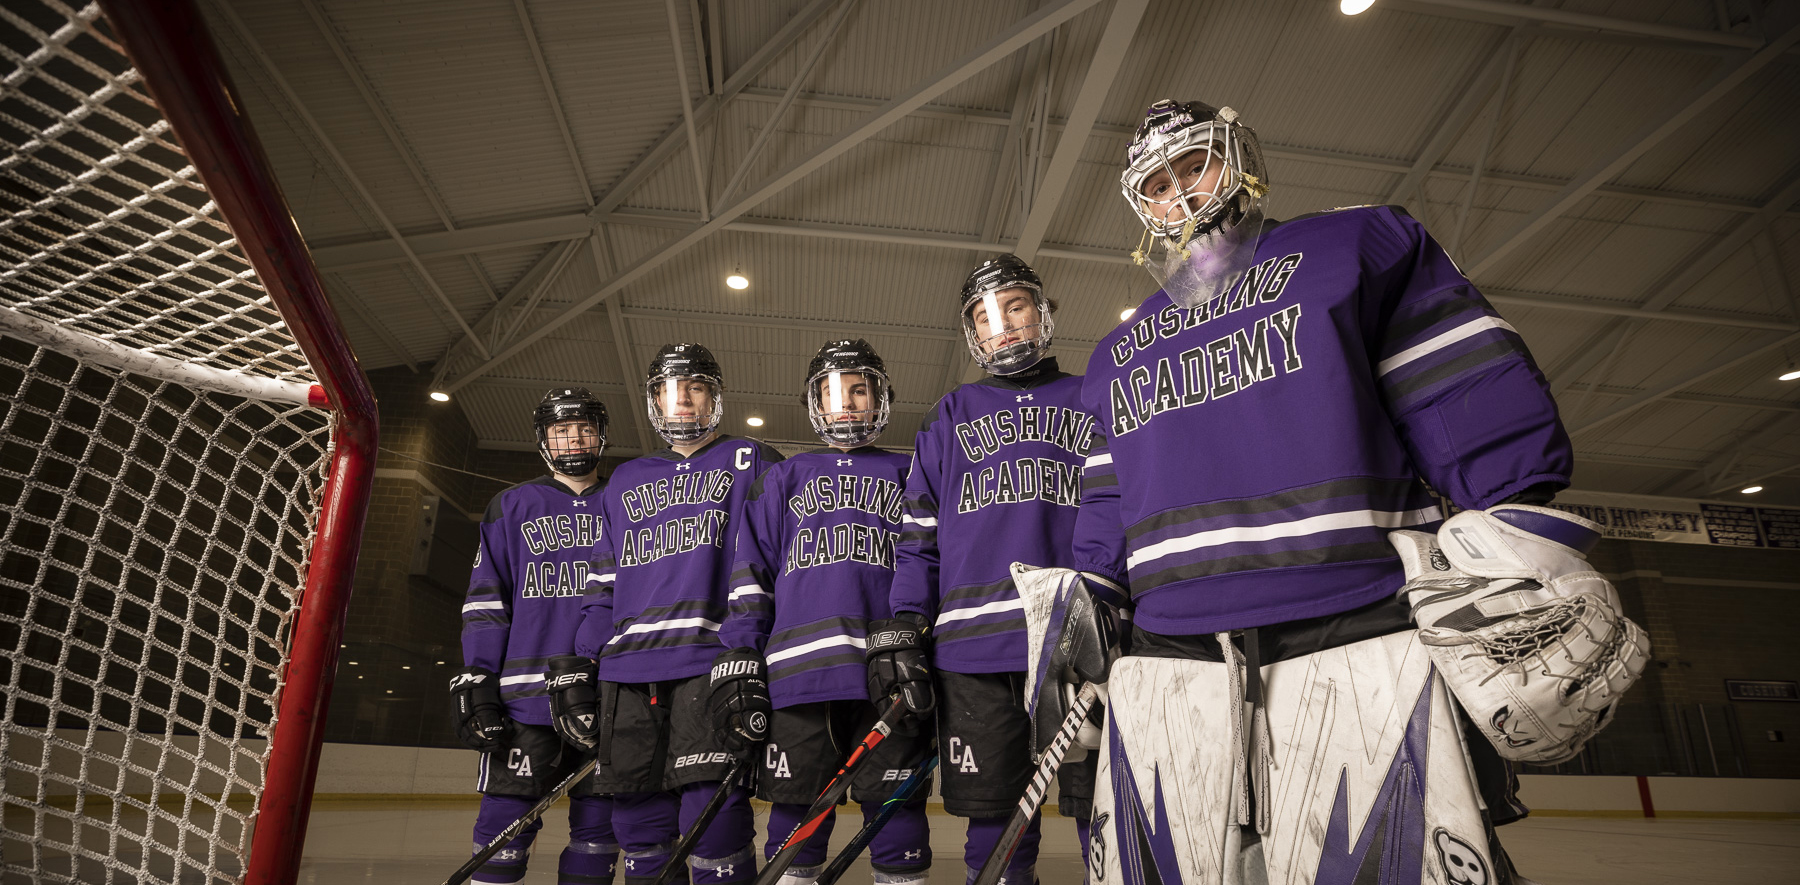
(1399, 333)
(1380, 494)
(705, 608)
(661, 639)
(784, 669)
(975, 591)
(850, 626)
(1456, 366)
(1094, 479)
(487, 617)
(1337, 554)
(988, 628)
(917, 536)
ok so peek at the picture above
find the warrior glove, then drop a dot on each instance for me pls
(573, 685)
(1527, 635)
(739, 702)
(481, 722)
(1072, 623)
(899, 663)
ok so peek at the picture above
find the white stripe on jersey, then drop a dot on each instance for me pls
(528, 677)
(815, 645)
(670, 624)
(749, 590)
(478, 606)
(962, 614)
(602, 578)
(1442, 341)
(1097, 460)
(1324, 522)
(926, 521)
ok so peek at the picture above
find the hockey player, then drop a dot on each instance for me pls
(651, 617)
(815, 561)
(995, 479)
(1269, 418)
(535, 552)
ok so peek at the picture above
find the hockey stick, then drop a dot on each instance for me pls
(678, 858)
(512, 830)
(867, 834)
(1035, 792)
(822, 806)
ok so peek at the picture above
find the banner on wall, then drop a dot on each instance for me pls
(1685, 520)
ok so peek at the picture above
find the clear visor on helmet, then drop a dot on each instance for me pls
(848, 409)
(1009, 329)
(572, 447)
(1203, 212)
(685, 408)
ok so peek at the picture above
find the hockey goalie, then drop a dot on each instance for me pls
(1324, 678)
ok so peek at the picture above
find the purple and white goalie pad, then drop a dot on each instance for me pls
(1528, 636)
(1359, 772)
(1071, 640)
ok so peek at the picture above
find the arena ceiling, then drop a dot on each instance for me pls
(510, 195)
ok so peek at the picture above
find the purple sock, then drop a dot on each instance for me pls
(984, 834)
(1083, 828)
(496, 814)
(724, 852)
(593, 853)
(902, 850)
(646, 826)
(783, 818)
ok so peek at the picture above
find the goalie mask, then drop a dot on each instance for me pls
(684, 392)
(571, 430)
(1005, 316)
(848, 394)
(1195, 177)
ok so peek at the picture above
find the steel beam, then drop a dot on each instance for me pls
(600, 245)
(1698, 399)
(1701, 374)
(562, 122)
(1584, 21)
(1723, 81)
(687, 109)
(1696, 269)
(1008, 42)
(1102, 70)
(787, 100)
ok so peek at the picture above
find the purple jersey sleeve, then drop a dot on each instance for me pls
(487, 610)
(596, 628)
(916, 556)
(1471, 406)
(1099, 533)
(759, 560)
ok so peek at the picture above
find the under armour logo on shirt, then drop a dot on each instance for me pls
(844, 461)
(915, 854)
(630, 864)
(685, 465)
(579, 502)
(727, 871)
(1022, 398)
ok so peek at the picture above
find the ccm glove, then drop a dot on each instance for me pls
(481, 722)
(899, 663)
(573, 685)
(1526, 634)
(739, 702)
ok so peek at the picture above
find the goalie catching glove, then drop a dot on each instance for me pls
(1528, 637)
(739, 703)
(572, 683)
(481, 721)
(1071, 639)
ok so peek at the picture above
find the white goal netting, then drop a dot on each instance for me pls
(159, 479)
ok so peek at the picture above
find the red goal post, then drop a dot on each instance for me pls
(168, 44)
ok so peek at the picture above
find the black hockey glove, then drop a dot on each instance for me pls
(739, 702)
(572, 683)
(899, 663)
(1086, 644)
(481, 721)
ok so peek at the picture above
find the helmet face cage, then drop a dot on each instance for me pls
(991, 349)
(1168, 146)
(672, 389)
(835, 414)
(568, 405)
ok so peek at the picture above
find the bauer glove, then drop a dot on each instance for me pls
(899, 663)
(481, 722)
(573, 685)
(739, 703)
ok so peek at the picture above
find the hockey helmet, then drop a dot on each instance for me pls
(674, 404)
(563, 404)
(1006, 334)
(840, 374)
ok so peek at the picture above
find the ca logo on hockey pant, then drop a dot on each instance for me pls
(518, 762)
(776, 762)
(963, 756)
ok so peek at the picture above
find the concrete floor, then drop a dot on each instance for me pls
(419, 844)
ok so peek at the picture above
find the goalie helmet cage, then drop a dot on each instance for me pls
(186, 451)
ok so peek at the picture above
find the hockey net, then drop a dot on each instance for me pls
(163, 458)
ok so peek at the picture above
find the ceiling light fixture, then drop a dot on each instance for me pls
(1352, 7)
(1751, 490)
(1792, 374)
(440, 396)
(754, 421)
(737, 280)
(1127, 312)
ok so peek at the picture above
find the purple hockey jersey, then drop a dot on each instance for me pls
(815, 562)
(1259, 449)
(656, 598)
(535, 555)
(996, 479)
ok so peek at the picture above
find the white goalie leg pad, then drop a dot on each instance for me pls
(1370, 780)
